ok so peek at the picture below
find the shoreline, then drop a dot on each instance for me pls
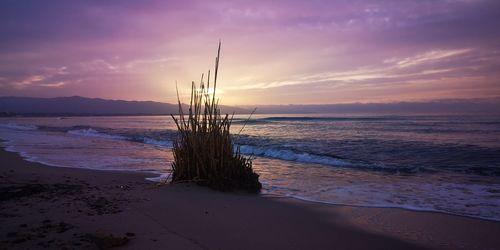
(27, 159)
(153, 175)
(416, 210)
(124, 204)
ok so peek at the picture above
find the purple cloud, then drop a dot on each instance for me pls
(308, 51)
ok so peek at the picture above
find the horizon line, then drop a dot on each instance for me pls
(446, 100)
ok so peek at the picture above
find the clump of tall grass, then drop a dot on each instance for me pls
(204, 151)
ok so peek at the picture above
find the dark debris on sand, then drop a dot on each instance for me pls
(45, 235)
(98, 204)
(60, 235)
(18, 191)
(106, 241)
(102, 205)
(46, 200)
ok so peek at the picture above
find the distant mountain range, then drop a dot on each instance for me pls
(76, 105)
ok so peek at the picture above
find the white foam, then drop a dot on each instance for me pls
(94, 133)
(161, 178)
(418, 193)
(290, 155)
(16, 126)
(386, 205)
(167, 144)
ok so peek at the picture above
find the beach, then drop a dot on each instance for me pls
(51, 207)
(256, 125)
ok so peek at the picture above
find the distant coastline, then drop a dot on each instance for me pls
(11, 106)
(65, 115)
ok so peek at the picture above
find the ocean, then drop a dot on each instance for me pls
(441, 163)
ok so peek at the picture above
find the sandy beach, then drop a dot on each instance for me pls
(44, 207)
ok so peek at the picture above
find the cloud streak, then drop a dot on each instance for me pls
(394, 68)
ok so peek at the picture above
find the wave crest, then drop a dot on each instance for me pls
(289, 155)
(16, 126)
(94, 133)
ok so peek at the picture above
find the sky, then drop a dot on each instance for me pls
(273, 52)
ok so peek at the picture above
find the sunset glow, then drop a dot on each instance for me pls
(279, 52)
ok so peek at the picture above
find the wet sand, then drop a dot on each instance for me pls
(44, 207)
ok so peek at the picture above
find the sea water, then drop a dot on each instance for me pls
(444, 163)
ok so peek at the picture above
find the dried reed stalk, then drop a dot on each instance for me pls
(204, 151)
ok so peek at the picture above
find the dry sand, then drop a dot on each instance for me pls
(62, 208)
